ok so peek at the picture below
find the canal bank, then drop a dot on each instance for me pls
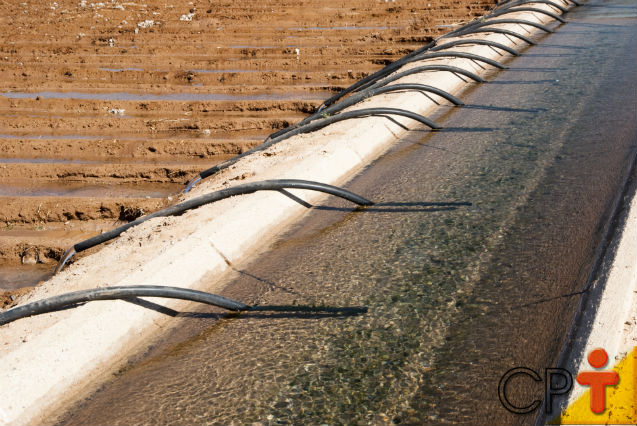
(473, 262)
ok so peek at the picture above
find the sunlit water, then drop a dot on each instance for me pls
(410, 311)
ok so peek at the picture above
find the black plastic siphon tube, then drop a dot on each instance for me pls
(422, 53)
(368, 93)
(266, 185)
(429, 55)
(452, 54)
(248, 188)
(316, 125)
(372, 78)
(112, 293)
(476, 41)
(496, 31)
(373, 91)
(418, 70)
(506, 5)
(389, 68)
(513, 9)
(484, 23)
(383, 82)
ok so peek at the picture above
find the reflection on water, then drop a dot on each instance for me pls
(205, 71)
(464, 270)
(200, 162)
(124, 96)
(69, 189)
(15, 277)
(343, 28)
(44, 161)
(47, 137)
(120, 69)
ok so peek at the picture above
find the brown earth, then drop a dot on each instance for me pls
(107, 108)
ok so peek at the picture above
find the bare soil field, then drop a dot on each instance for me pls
(108, 108)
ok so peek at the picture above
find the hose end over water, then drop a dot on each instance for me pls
(65, 258)
(191, 184)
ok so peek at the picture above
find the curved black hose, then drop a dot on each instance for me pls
(112, 293)
(418, 70)
(372, 78)
(58, 302)
(477, 41)
(418, 51)
(316, 125)
(388, 69)
(478, 24)
(513, 9)
(471, 27)
(248, 188)
(497, 31)
(367, 93)
(521, 2)
(413, 86)
(69, 253)
(463, 55)
(455, 70)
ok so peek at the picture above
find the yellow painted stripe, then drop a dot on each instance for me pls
(621, 400)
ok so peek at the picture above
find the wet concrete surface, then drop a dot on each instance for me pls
(472, 262)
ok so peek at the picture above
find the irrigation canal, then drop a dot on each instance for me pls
(472, 262)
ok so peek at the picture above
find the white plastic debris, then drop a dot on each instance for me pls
(187, 17)
(148, 23)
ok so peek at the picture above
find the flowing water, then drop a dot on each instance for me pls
(471, 262)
